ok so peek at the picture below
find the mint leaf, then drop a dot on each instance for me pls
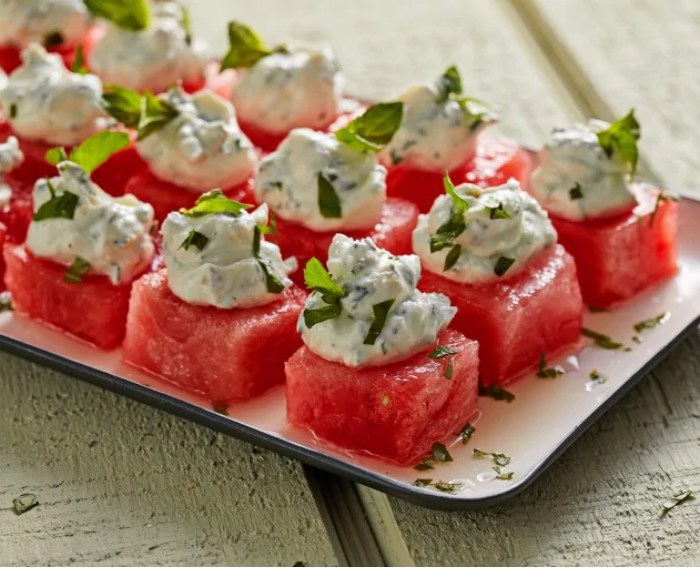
(55, 156)
(123, 104)
(214, 202)
(78, 65)
(317, 278)
(76, 271)
(459, 201)
(273, 284)
(62, 206)
(97, 149)
(476, 112)
(442, 351)
(449, 83)
(499, 212)
(621, 138)
(132, 15)
(448, 487)
(502, 265)
(452, 257)
(313, 316)
(374, 129)
(328, 200)
(194, 239)
(156, 114)
(381, 312)
(495, 392)
(448, 232)
(246, 47)
(466, 433)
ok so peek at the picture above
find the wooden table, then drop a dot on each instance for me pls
(120, 483)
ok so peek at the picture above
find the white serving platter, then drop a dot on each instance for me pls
(546, 416)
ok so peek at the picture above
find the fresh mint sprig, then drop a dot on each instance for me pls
(374, 129)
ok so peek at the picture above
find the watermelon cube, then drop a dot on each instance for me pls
(497, 160)
(18, 213)
(394, 232)
(395, 411)
(3, 237)
(620, 257)
(515, 320)
(166, 197)
(224, 355)
(93, 310)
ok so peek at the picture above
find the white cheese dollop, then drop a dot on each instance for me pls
(203, 147)
(111, 234)
(287, 181)
(435, 134)
(486, 238)
(153, 59)
(10, 157)
(26, 21)
(225, 272)
(45, 101)
(577, 180)
(369, 275)
(297, 87)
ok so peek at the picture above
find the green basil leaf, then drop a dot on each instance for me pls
(214, 202)
(313, 316)
(381, 312)
(502, 265)
(374, 129)
(246, 47)
(62, 206)
(328, 200)
(123, 104)
(194, 239)
(317, 278)
(76, 271)
(449, 83)
(156, 114)
(621, 137)
(97, 149)
(132, 15)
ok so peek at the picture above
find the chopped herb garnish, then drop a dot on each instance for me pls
(128, 14)
(328, 200)
(496, 392)
(194, 239)
(650, 323)
(273, 284)
(439, 453)
(621, 137)
(499, 212)
(548, 373)
(662, 197)
(269, 229)
(448, 232)
(447, 487)
(422, 482)
(503, 475)
(62, 206)
(78, 66)
(123, 104)
(676, 500)
(450, 89)
(466, 433)
(76, 271)
(597, 377)
(317, 279)
(93, 152)
(601, 340)
(441, 352)
(53, 39)
(502, 266)
(23, 503)
(381, 312)
(246, 47)
(156, 114)
(636, 339)
(449, 83)
(499, 458)
(459, 201)
(6, 301)
(13, 110)
(386, 400)
(374, 129)
(576, 193)
(215, 202)
(452, 257)
(220, 408)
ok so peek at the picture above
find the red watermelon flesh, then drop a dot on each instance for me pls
(621, 256)
(3, 235)
(18, 214)
(537, 310)
(497, 160)
(166, 197)
(393, 233)
(396, 411)
(93, 310)
(224, 355)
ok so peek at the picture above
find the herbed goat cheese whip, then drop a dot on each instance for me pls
(577, 180)
(211, 259)
(10, 157)
(501, 230)
(43, 21)
(436, 132)
(153, 59)
(45, 101)
(202, 147)
(369, 276)
(291, 88)
(288, 181)
(111, 234)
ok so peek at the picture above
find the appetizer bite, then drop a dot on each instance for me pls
(220, 319)
(275, 90)
(621, 232)
(319, 184)
(148, 46)
(442, 130)
(380, 371)
(61, 26)
(189, 144)
(494, 253)
(83, 250)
